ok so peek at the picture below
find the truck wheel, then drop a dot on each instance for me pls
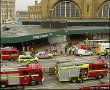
(73, 80)
(99, 76)
(38, 57)
(90, 54)
(35, 61)
(3, 85)
(80, 55)
(49, 57)
(21, 61)
(12, 59)
(33, 82)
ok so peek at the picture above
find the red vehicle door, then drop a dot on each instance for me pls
(6, 55)
(24, 77)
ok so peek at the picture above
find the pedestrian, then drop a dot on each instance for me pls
(99, 56)
(66, 49)
(81, 76)
(69, 50)
(106, 54)
(73, 50)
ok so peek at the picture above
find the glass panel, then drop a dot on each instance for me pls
(104, 11)
(66, 9)
(58, 10)
(94, 67)
(25, 73)
(62, 9)
(37, 72)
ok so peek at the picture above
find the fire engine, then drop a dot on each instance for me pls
(71, 69)
(20, 74)
(9, 53)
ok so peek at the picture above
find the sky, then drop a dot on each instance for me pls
(22, 5)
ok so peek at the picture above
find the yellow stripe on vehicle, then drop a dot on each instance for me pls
(98, 70)
(14, 54)
(20, 76)
(3, 77)
(63, 80)
(73, 76)
(35, 75)
(5, 55)
(11, 55)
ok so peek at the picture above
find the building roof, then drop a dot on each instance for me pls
(20, 33)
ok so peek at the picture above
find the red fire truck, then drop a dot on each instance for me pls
(21, 74)
(9, 53)
(71, 69)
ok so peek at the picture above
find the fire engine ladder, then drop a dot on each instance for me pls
(14, 67)
(77, 62)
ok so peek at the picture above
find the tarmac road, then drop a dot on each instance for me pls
(51, 82)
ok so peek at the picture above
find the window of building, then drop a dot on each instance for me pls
(104, 10)
(66, 9)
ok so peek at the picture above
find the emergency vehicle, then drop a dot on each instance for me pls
(27, 59)
(102, 47)
(21, 74)
(9, 53)
(71, 69)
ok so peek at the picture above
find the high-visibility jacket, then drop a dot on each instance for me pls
(69, 49)
(72, 49)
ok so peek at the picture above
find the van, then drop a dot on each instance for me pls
(82, 52)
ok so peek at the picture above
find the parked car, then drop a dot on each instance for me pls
(43, 55)
(27, 58)
(82, 52)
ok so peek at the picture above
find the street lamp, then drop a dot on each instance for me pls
(50, 27)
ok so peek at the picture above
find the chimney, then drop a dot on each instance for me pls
(36, 2)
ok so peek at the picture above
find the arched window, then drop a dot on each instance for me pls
(65, 9)
(104, 10)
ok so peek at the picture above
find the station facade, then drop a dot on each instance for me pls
(70, 9)
(76, 9)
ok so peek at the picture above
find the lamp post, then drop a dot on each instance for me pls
(50, 28)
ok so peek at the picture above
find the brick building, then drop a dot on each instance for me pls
(35, 11)
(8, 10)
(22, 14)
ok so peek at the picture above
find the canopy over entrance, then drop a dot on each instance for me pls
(68, 31)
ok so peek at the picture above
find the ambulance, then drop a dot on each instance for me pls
(102, 47)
